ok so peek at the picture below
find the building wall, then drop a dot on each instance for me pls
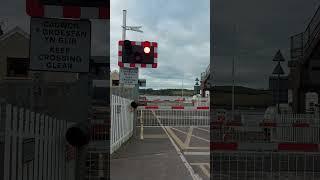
(68, 101)
(17, 46)
(314, 72)
(14, 46)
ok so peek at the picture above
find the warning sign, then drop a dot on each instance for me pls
(142, 82)
(60, 45)
(129, 76)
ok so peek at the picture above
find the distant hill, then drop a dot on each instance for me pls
(240, 90)
(222, 96)
(217, 89)
(244, 97)
(166, 92)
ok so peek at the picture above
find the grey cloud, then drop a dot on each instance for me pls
(262, 28)
(183, 38)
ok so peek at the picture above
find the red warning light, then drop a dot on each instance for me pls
(146, 50)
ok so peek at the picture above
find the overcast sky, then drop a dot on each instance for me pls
(180, 27)
(263, 27)
(182, 30)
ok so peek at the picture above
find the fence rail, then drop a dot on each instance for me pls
(171, 117)
(265, 165)
(255, 148)
(303, 44)
(34, 146)
(302, 128)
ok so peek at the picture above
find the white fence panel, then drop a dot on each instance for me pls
(121, 122)
(33, 146)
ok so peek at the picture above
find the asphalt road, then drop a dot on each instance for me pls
(164, 153)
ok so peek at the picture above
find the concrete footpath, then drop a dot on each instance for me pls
(153, 158)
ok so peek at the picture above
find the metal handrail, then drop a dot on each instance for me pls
(309, 36)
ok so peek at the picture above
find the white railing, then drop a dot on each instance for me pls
(265, 165)
(201, 101)
(34, 146)
(298, 128)
(172, 117)
(121, 122)
(296, 134)
(308, 134)
(297, 118)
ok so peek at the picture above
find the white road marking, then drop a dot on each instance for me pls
(203, 129)
(197, 153)
(187, 141)
(192, 135)
(198, 164)
(204, 148)
(186, 163)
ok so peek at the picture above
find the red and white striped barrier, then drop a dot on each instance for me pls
(275, 147)
(133, 65)
(220, 123)
(35, 8)
(176, 107)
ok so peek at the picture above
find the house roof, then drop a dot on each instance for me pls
(13, 31)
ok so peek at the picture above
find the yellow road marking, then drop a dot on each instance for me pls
(192, 135)
(203, 168)
(205, 171)
(187, 141)
(175, 137)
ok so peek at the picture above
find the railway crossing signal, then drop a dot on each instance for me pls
(138, 54)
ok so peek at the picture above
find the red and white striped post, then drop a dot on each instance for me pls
(36, 8)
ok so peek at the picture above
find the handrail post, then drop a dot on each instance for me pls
(141, 125)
